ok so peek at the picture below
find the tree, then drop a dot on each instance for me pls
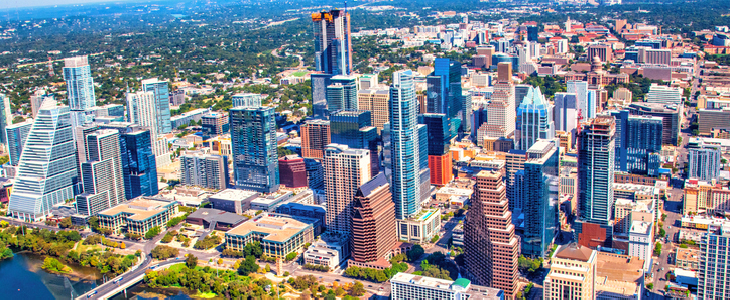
(267, 268)
(65, 223)
(220, 261)
(435, 239)
(191, 261)
(650, 286)
(415, 253)
(291, 256)
(662, 233)
(94, 223)
(153, 232)
(248, 266)
(657, 249)
(357, 289)
(162, 252)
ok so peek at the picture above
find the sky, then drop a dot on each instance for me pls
(5, 4)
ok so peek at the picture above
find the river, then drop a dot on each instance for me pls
(23, 278)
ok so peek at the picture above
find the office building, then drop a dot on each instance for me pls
(520, 93)
(541, 188)
(315, 136)
(534, 120)
(444, 88)
(514, 178)
(36, 100)
(404, 146)
(596, 161)
(138, 163)
(404, 286)
(48, 169)
(161, 93)
(663, 94)
(345, 170)
(585, 99)
(466, 112)
(373, 222)
(671, 118)
(137, 216)
(566, 113)
(367, 81)
(79, 83)
(603, 52)
(101, 174)
(501, 108)
(704, 160)
(353, 128)
(315, 174)
(215, 123)
(247, 100)
(320, 82)
(437, 145)
(375, 99)
(637, 137)
(491, 247)
(292, 172)
(332, 42)
(713, 282)
(641, 240)
(572, 274)
(208, 171)
(6, 119)
(278, 234)
(255, 159)
(15, 135)
(712, 118)
(342, 93)
(142, 110)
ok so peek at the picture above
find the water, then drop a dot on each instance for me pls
(142, 291)
(23, 278)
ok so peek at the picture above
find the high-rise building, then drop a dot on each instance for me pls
(541, 188)
(596, 159)
(376, 101)
(671, 116)
(138, 163)
(437, 145)
(466, 113)
(713, 282)
(215, 123)
(663, 94)
(315, 137)
(534, 120)
(255, 159)
(353, 128)
(208, 171)
(48, 168)
(342, 93)
(704, 160)
(566, 113)
(246, 100)
(292, 172)
(101, 174)
(16, 134)
(404, 145)
(345, 170)
(373, 221)
(520, 93)
(444, 88)
(161, 91)
(142, 110)
(320, 82)
(332, 42)
(637, 137)
(491, 247)
(37, 99)
(6, 118)
(79, 83)
(585, 100)
(501, 110)
(514, 178)
(367, 81)
(572, 274)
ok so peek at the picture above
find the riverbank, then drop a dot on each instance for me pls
(23, 278)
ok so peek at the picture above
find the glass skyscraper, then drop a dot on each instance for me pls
(637, 137)
(342, 93)
(540, 187)
(16, 135)
(162, 100)
(534, 120)
(354, 129)
(5, 118)
(255, 159)
(444, 89)
(332, 42)
(79, 83)
(404, 145)
(138, 164)
(48, 168)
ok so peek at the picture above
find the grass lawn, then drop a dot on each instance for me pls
(299, 73)
(205, 295)
(81, 248)
(176, 267)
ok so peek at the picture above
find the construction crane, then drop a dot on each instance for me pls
(50, 67)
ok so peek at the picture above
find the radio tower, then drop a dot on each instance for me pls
(50, 67)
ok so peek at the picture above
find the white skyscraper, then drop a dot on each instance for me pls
(101, 173)
(501, 110)
(142, 110)
(79, 83)
(404, 142)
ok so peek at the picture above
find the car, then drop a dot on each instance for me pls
(337, 279)
(370, 285)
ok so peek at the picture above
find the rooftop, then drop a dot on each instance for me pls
(620, 267)
(462, 285)
(234, 194)
(274, 227)
(688, 254)
(210, 215)
(574, 251)
(640, 227)
(138, 209)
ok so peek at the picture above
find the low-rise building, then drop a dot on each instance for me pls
(404, 286)
(313, 211)
(619, 276)
(687, 258)
(215, 218)
(233, 200)
(271, 201)
(278, 234)
(457, 235)
(321, 255)
(421, 228)
(137, 216)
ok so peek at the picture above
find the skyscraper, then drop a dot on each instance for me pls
(404, 145)
(16, 135)
(353, 128)
(491, 247)
(79, 83)
(345, 170)
(438, 141)
(162, 102)
(534, 120)
(246, 100)
(376, 101)
(713, 282)
(315, 137)
(142, 110)
(292, 172)
(37, 99)
(596, 159)
(444, 88)
(373, 221)
(48, 168)
(6, 117)
(637, 138)
(101, 173)
(704, 160)
(586, 101)
(208, 171)
(540, 187)
(138, 164)
(342, 93)
(501, 110)
(255, 159)
(566, 113)
(332, 42)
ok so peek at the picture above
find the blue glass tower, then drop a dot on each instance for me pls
(162, 98)
(253, 138)
(79, 83)
(444, 89)
(540, 187)
(534, 119)
(353, 128)
(636, 138)
(404, 145)
(439, 134)
(139, 168)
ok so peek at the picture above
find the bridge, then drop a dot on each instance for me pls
(127, 280)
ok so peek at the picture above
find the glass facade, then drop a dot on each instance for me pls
(138, 164)
(596, 170)
(534, 120)
(354, 129)
(79, 83)
(540, 186)
(404, 145)
(16, 135)
(162, 99)
(637, 137)
(48, 167)
(255, 159)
